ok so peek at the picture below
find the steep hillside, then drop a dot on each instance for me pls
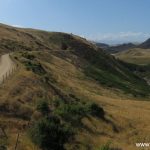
(145, 44)
(12, 39)
(137, 60)
(93, 60)
(68, 94)
(52, 78)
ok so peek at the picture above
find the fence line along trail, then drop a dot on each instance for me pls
(6, 67)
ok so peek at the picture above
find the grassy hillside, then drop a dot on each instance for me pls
(93, 60)
(67, 85)
(138, 61)
(136, 56)
(57, 81)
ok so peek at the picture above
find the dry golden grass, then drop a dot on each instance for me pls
(131, 117)
(136, 55)
(128, 119)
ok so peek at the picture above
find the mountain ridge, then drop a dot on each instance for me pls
(145, 44)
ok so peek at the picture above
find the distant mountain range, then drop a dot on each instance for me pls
(123, 47)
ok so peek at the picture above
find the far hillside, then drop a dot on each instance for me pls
(118, 48)
(102, 45)
(145, 44)
(136, 55)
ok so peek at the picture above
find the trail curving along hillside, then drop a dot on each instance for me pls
(6, 67)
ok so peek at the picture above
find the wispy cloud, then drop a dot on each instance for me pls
(18, 26)
(121, 36)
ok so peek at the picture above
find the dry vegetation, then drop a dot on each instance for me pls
(136, 56)
(127, 120)
(51, 74)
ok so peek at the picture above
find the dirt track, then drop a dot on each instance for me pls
(6, 66)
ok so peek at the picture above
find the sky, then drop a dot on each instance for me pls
(108, 21)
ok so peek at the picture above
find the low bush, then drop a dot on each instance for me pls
(74, 112)
(95, 110)
(64, 46)
(50, 133)
(105, 147)
(28, 56)
(35, 67)
(42, 106)
(3, 143)
(3, 147)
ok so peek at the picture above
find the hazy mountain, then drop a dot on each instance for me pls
(102, 45)
(145, 44)
(121, 47)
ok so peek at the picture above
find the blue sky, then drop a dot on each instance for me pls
(109, 21)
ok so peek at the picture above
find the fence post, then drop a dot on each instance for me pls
(17, 142)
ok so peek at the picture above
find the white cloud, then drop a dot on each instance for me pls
(18, 26)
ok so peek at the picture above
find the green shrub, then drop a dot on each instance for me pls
(42, 106)
(72, 113)
(64, 46)
(75, 111)
(3, 143)
(2, 147)
(95, 110)
(50, 134)
(36, 67)
(28, 56)
(105, 147)
(57, 102)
